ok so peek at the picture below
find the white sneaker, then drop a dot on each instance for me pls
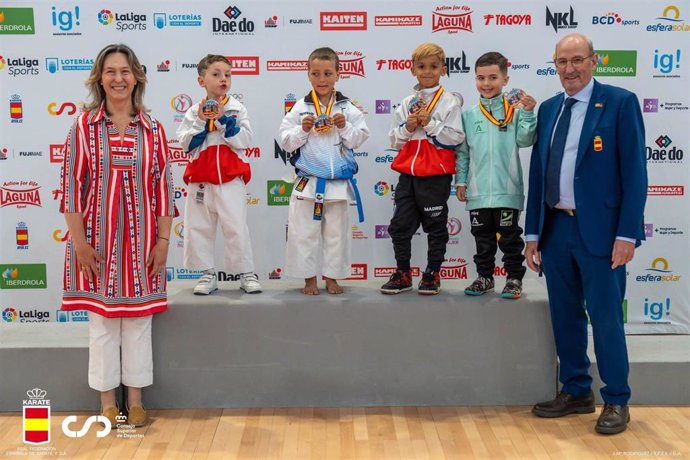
(206, 285)
(249, 283)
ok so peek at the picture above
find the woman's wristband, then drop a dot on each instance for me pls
(164, 238)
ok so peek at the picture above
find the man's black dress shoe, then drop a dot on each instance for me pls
(565, 404)
(613, 419)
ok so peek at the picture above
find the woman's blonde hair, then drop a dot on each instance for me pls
(93, 83)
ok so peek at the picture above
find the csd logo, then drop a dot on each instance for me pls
(66, 106)
(87, 425)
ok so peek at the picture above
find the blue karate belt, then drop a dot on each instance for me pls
(320, 195)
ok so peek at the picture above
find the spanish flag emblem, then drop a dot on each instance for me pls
(37, 424)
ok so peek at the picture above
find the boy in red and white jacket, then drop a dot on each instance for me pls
(426, 128)
(217, 131)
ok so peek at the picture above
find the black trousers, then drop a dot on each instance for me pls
(421, 200)
(485, 224)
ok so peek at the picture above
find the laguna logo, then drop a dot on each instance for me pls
(244, 65)
(20, 194)
(452, 18)
(343, 20)
(351, 64)
(177, 155)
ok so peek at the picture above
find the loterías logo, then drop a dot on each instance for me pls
(36, 417)
(452, 18)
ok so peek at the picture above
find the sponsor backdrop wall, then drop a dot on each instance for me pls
(47, 49)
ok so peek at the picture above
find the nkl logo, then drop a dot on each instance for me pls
(561, 20)
(278, 152)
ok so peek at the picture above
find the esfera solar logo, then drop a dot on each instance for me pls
(9, 315)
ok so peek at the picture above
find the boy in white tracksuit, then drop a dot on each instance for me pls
(324, 127)
(217, 131)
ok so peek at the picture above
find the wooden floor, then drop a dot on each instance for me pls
(365, 433)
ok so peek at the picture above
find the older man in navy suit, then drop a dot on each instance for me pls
(587, 192)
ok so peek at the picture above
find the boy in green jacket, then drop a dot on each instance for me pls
(489, 174)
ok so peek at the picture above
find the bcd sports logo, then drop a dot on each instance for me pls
(36, 417)
(20, 194)
(453, 19)
(612, 18)
(343, 20)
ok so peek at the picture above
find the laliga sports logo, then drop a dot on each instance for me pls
(105, 17)
(36, 417)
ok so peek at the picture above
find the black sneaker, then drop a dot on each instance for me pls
(513, 289)
(400, 281)
(480, 286)
(430, 283)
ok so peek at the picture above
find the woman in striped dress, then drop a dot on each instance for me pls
(117, 199)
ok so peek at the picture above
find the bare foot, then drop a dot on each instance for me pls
(333, 287)
(310, 287)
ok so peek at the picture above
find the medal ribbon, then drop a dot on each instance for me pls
(317, 104)
(508, 112)
(434, 100)
(211, 123)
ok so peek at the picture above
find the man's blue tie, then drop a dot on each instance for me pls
(553, 168)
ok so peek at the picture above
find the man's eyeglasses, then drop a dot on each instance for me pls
(577, 61)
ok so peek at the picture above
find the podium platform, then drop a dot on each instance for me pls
(282, 348)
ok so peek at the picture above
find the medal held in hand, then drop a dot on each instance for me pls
(323, 122)
(514, 96)
(211, 109)
(417, 104)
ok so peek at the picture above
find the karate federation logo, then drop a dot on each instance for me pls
(36, 417)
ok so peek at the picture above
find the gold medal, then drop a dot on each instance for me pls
(323, 123)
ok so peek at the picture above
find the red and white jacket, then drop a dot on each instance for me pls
(429, 150)
(218, 155)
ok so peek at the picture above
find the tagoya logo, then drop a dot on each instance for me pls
(343, 20)
(508, 19)
(451, 18)
(244, 65)
(398, 21)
